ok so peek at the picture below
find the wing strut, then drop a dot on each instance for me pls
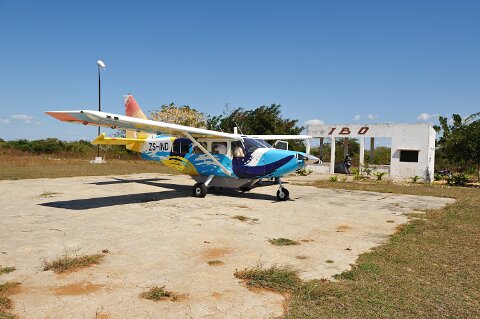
(194, 141)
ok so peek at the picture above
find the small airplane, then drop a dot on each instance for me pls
(211, 158)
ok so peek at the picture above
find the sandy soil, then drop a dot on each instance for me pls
(157, 235)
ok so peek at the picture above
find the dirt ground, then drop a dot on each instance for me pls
(158, 235)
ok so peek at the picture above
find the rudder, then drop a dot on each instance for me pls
(132, 109)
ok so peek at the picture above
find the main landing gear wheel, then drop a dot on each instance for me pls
(283, 194)
(199, 190)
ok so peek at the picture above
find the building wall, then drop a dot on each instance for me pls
(416, 137)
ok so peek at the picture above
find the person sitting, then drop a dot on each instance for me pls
(238, 152)
(347, 163)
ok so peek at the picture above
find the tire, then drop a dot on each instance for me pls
(199, 190)
(283, 194)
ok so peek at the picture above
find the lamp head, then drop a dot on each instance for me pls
(101, 64)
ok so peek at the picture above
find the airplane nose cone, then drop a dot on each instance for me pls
(308, 159)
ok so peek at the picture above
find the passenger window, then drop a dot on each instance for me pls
(197, 150)
(219, 148)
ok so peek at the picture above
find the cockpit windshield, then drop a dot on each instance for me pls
(252, 144)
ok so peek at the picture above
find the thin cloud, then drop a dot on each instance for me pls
(356, 117)
(314, 122)
(4, 121)
(372, 116)
(424, 117)
(23, 117)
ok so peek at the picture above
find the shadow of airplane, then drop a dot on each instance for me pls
(175, 191)
(147, 181)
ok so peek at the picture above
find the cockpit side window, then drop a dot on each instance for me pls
(264, 143)
(252, 144)
(237, 149)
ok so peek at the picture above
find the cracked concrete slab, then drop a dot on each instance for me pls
(157, 235)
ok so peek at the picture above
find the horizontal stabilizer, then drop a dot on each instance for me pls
(102, 139)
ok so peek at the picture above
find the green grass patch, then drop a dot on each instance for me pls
(6, 270)
(283, 242)
(158, 294)
(67, 263)
(428, 268)
(278, 278)
(329, 261)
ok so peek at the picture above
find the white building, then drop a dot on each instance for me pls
(412, 146)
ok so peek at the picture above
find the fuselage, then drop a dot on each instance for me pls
(246, 158)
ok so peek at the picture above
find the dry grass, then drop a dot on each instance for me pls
(7, 289)
(159, 294)
(301, 257)
(283, 242)
(49, 194)
(215, 262)
(6, 270)
(243, 218)
(37, 166)
(429, 268)
(69, 263)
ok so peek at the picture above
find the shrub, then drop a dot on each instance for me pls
(334, 178)
(367, 169)
(415, 178)
(304, 172)
(457, 179)
(379, 175)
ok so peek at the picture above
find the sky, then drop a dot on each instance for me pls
(327, 61)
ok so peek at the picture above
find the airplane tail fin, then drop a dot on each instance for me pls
(133, 109)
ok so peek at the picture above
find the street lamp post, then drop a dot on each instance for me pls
(100, 64)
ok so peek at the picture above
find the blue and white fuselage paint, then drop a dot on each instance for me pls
(253, 162)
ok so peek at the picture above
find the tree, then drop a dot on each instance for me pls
(264, 120)
(182, 115)
(460, 142)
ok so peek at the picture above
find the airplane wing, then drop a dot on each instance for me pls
(281, 137)
(123, 122)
